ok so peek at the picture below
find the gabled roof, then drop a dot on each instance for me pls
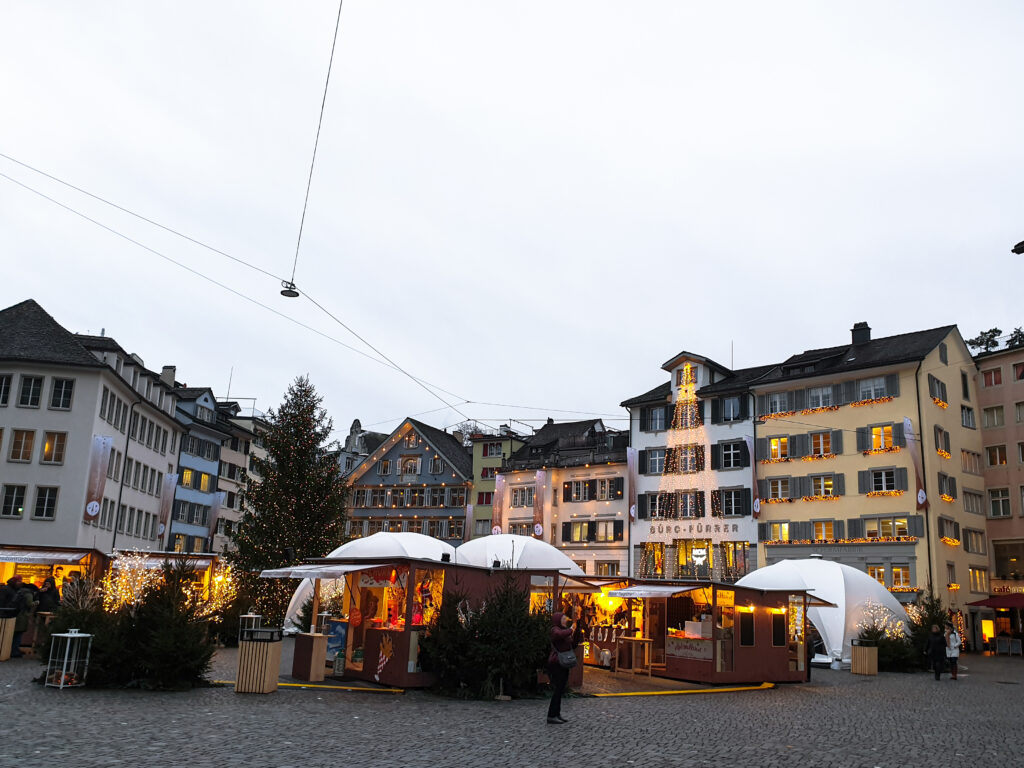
(657, 395)
(739, 381)
(451, 449)
(28, 333)
(372, 440)
(553, 432)
(192, 393)
(876, 353)
(669, 364)
(102, 343)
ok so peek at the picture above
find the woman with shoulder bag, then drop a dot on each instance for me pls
(953, 644)
(560, 661)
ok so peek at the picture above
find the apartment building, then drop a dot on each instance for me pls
(489, 450)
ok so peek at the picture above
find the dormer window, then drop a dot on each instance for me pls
(411, 440)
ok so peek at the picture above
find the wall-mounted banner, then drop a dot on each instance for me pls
(755, 508)
(540, 484)
(914, 446)
(99, 461)
(632, 470)
(498, 504)
(166, 503)
(215, 506)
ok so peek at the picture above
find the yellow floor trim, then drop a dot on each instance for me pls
(761, 687)
(325, 687)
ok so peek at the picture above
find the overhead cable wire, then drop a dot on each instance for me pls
(316, 143)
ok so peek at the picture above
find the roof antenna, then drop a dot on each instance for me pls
(732, 355)
(230, 376)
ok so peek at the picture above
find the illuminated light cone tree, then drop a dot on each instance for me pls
(683, 492)
(297, 510)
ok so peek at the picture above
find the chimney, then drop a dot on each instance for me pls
(861, 333)
(167, 375)
(457, 434)
(550, 420)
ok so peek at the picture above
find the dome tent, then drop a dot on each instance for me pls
(379, 546)
(513, 551)
(852, 591)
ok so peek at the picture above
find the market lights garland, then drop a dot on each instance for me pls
(876, 494)
(940, 402)
(879, 540)
(942, 453)
(950, 541)
(877, 451)
(779, 415)
(821, 497)
(947, 498)
(822, 409)
(872, 401)
(904, 589)
(777, 501)
(780, 460)
(818, 456)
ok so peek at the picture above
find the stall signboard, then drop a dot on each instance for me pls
(726, 598)
(337, 633)
(384, 576)
(689, 648)
(716, 532)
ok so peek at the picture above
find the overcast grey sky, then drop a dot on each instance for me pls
(525, 203)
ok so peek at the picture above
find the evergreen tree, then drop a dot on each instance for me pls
(297, 510)
(986, 341)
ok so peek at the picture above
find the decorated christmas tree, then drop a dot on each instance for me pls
(297, 510)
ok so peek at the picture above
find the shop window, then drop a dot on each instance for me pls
(747, 627)
(901, 575)
(607, 568)
(877, 572)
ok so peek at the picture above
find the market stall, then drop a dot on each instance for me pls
(716, 633)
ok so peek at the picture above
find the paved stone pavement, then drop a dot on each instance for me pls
(837, 720)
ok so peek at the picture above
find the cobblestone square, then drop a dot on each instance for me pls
(836, 720)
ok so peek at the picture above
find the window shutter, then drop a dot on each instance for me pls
(748, 503)
(591, 489)
(945, 440)
(762, 532)
(566, 531)
(716, 504)
(938, 437)
(798, 400)
(761, 448)
(942, 483)
(744, 406)
(762, 404)
(837, 394)
(617, 530)
(802, 443)
(915, 526)
(641, 506)
(700, 410)
(796, 487)
(839, 484)
(863, 441)
(716, 456)
(951, 485)
(956, 531)
(744, 454)
(700, 503)
(899, 437)
(837, 442)
(762, 489)
(716, 411)
(864, 481)
(618, 485)
(855, 528)
(669, 410)
(931, 386)
(838, 529)
(699, 457)
(642, 461)
(902, 480)
(892, 385)
(645, 419)
(592, 531)
(566, 491)
(849, 392)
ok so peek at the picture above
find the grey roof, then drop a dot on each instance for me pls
(452, 450)
(553, 432)
(191, 393)
(102, 343)
(739, 381)
(28, 333)
(657, 395)
(707, 360)
(372, 440)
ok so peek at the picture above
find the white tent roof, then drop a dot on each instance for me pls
(849, 589)
(651, 590)
(514, 551)
(384, 545)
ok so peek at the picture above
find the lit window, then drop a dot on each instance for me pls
(204, 483)
(821, 485)
(410, 440)
(779, 532)
(778, 488)
(996, 455)
(877, 572)
(823, 530)
(885, 527)
(881, 437)
(901, 575)
(53, 447)
(778, 447)
(821, 443)
(979, 580)
(21, 445)
(186, 478)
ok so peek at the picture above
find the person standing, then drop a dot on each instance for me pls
(48, 598)
(936, 651)
(23, 604)
(561, 641)
(953, 644)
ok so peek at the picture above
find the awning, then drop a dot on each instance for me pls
(315, 571)
(652, 590)
(41, 556)
(1015, 600)
(566, 584)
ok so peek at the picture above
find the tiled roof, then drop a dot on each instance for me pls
(372, 440)
(668, 364)
(550, 433)
(28, 333)
(190, 393)
(452, 450)
(738, 382)
(657, 395)
(102, 343)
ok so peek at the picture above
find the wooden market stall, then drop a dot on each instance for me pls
(717, 633)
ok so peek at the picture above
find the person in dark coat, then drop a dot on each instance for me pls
(48, 598)
(561, 640)
(936, 649)
(23, 606)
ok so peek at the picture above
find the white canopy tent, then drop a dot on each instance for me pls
(513, 551)
(851, 591)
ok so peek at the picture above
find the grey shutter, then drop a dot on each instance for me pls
(762, 489)
(915, 526)
(945, 440)
(837, 442)
(716, 456)
(566, 531)
(747, 501)
(645, 419)
(798, 400)
(932, 389)
(762, 404)
(899, 437)
(618, 486)
(642, 460)
(761, 448)
(864, 481)
(716, 504)
(700, 452)
(902, 480)
(592, 530)
(799, 445)
(938, 437)
(744, 454)
(700, 503)
(617, 530)
(837, 394)
(716, 411)
(591, 489)
(669, 413)
(700, 410)
(796, 487)
(805, 531)
(892, 385)
(744, 406)
(956, 531)
(943, 353)
(855, 528)
(641, 507)
(839, 529)
(951, 485)
(849, 392)
(863, 440)
(566, 491)
(839, 484)
(762, 532)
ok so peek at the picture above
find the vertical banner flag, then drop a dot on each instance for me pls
(215, 505)
(539, 485)
(755, 507)
(914, 446)
(632, 471)
(498, 505)
(467, 529)
(99, 462)
(166, 504)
